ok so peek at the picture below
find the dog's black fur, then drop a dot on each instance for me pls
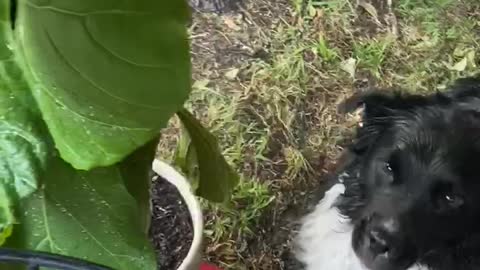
(413, 186)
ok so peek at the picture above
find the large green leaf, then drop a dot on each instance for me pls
(137, 176)
(107, 75)
(23, 137)
(216, 179)
(89, 215)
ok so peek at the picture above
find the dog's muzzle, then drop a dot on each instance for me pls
(381, 244)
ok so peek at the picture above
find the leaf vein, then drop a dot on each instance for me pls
(95, 239)
(121, 58)
(47, 227)
(75, 114)
(90, 81)
(22, 134)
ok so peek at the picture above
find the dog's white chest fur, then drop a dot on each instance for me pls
(324, 241)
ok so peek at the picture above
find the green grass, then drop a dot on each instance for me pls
(324, 51)
(238, 215)
(438, 36)
(276, 118)
(371, 55)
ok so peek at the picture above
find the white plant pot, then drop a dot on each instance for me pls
(193, 259)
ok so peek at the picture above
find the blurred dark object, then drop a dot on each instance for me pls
(216, 6)
(34, 260)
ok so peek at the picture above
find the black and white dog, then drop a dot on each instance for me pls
(410, 197)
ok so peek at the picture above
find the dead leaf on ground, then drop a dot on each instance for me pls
(349, 66)
(230, 23)
(471, 57)
(370, 9)
(232, 73)
(201, 84)
(460, 65)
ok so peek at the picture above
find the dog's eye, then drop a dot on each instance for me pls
(448, 202)
(388, 167)
(447, 197)
(392, 164)
(453, 201)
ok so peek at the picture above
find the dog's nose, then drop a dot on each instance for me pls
(378, 243)
(381, 235)
(384, 245)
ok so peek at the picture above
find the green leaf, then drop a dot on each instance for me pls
(185, 158)
(217, 179)
(89, 215)
(136, 173)
(107, 75)
(23, 137)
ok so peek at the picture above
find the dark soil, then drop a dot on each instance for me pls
(171, 230)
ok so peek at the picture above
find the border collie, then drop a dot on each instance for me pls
(409, 198)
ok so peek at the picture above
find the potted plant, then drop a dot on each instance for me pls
(192, 259)
(85, 88)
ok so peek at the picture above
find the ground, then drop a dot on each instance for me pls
(268, 81)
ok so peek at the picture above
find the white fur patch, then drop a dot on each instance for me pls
(324, 240)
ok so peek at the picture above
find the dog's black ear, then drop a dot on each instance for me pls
(464, 88)
(383, 104)
(465, 94)
(378, 113)
(466, 119)
(373, 103)
(468, 112)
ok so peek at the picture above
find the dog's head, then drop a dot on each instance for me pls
(416, 193)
